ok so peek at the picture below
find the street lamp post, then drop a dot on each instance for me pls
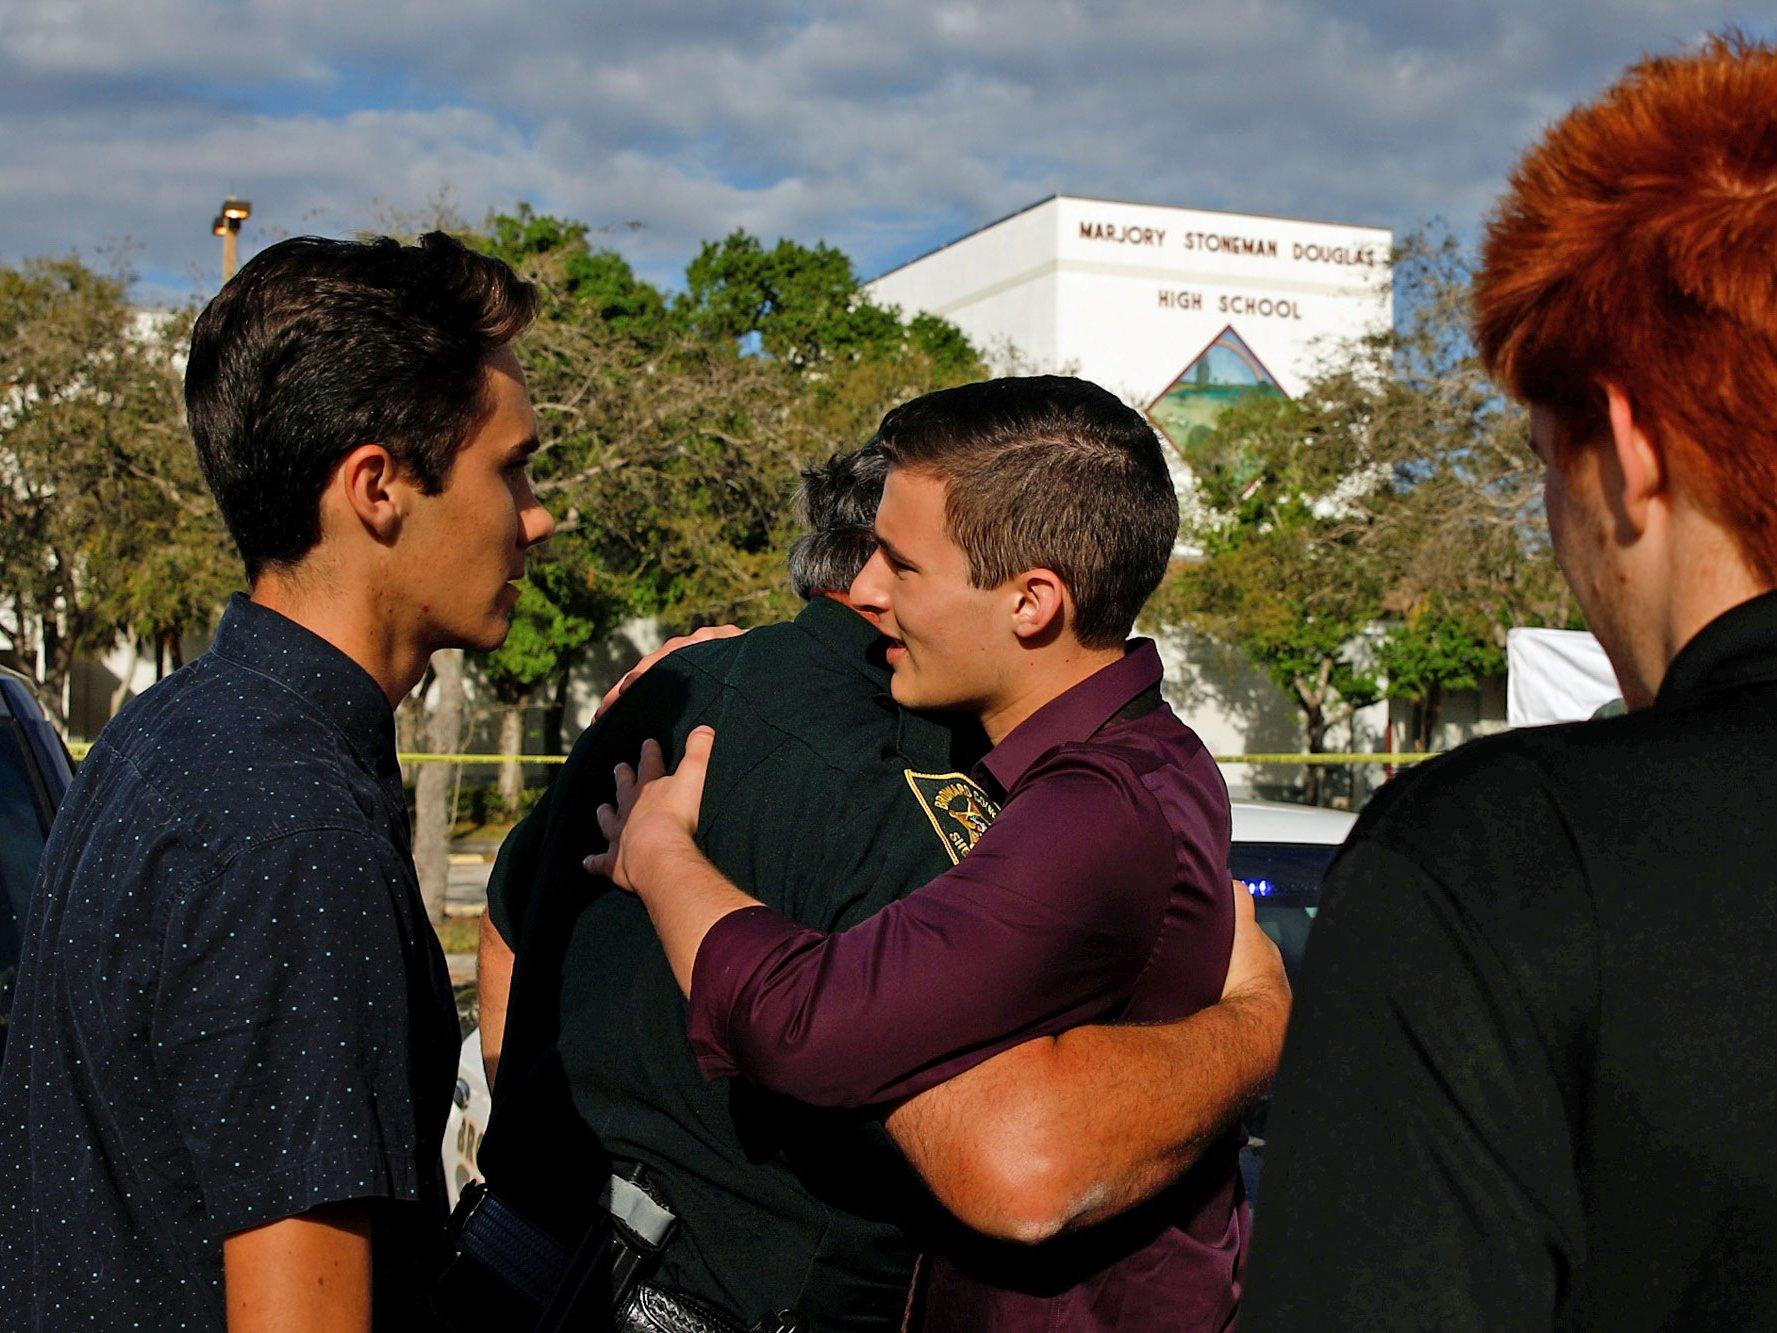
(228, 226)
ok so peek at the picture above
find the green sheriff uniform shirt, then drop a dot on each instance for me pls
(826, 802)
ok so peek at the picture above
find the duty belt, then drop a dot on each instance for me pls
(597, 1284)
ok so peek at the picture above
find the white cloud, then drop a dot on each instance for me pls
(884, 128)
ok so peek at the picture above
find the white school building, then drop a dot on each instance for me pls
(1175, 310)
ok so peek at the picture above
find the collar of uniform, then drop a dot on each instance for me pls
(927, 743)
(1738, 647)
(336, 687)
(848, 636)
(1074, 714)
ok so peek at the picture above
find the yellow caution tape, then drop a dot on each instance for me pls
(1323, 758)
(414, 757)
(79, 748)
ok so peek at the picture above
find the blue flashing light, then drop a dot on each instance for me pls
(1260, 888)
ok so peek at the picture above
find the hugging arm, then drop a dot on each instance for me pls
(926, 1001)
(513, 880)
(1065, 1131)
(1002, 947)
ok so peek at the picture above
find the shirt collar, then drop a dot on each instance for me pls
(929, 742)
(1075, 714)
(848, 636)
(341, 691)
(1738, 647)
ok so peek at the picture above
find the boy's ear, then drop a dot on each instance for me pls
(1039, 604)
(1638, 461)
(363, 488)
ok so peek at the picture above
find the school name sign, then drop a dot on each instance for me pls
(1177, 310)
(1261, 247)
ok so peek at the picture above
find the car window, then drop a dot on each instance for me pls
(21, 845)
(1285, 880)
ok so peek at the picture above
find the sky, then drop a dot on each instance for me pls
(886, 127)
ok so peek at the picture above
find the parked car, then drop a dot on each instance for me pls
(34, 775)
(1281, 852)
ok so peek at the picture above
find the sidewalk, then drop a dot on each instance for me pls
(465, 894)
(471, 862)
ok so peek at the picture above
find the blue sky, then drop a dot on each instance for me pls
(884, 127)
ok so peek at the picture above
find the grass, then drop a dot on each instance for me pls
(495, 830)
(460, 934)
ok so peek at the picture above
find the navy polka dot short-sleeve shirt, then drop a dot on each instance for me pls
(230, 1008)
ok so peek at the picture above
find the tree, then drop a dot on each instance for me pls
(597, 283)
(806, 307)
(1378, 534)
(671, 448)
(1433, 649)
(538, 653)
(1286, 575)
(435, 783)
(803, 302)
(106, 527)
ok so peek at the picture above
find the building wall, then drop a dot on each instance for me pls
(997, 286)
(1145, 289)
(1128, 295)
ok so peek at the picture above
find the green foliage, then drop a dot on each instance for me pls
(598, 283)
(807, 307)
(804, 302)
(952, 357)
(1440, 647)
(541, 644)
(1377, 534)
(106, 528)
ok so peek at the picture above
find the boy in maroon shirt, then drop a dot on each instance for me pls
(1023, 525)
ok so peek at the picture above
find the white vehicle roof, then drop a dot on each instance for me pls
(1277, 821)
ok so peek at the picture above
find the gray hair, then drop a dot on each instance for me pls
(836, 502)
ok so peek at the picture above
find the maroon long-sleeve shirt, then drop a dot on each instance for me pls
(1099, 894)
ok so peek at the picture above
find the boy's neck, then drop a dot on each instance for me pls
(1043, 677)
(360, 625)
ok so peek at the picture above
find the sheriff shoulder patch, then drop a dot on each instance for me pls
(959, 810)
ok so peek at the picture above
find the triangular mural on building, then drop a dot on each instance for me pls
(1221, 373)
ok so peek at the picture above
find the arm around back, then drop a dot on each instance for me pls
(1022, 938)
(1063, 1132)
(510, 887)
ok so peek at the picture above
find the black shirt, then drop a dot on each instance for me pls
(1528, 1082)
(231, 1008)
(820, 801)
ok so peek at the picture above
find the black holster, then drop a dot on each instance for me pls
(500, 1264)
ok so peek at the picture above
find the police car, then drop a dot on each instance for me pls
(1281, 852)
(34, 774)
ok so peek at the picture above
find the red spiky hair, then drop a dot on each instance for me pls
(1637, 245)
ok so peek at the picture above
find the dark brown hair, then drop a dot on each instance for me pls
(318, 346)
(1047, 472)
(1635, 247)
